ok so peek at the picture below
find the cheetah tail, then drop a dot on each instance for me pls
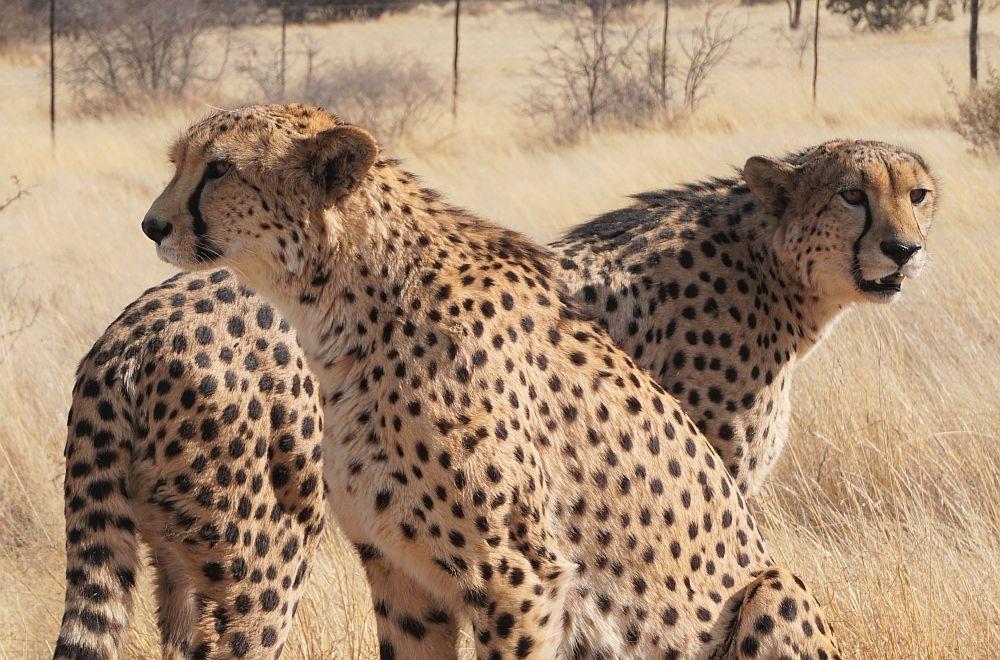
(776, 616)
(102, 554)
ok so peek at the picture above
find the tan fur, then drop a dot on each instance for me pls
(495, 456)
(195, 424)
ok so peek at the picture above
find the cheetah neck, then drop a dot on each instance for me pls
(357, 272)
(814, 313)
(810, 312)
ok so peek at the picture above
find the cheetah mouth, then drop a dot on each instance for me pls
(178, 259)
(889, 284)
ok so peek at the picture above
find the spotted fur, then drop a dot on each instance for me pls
(719, 289)
(496, 457)
(196, 427)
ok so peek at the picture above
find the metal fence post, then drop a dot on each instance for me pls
(454, 64)
(52, 73)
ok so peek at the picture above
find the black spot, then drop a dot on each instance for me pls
(505, 622)
(239, 644)
(235, 327)
(269, 600)
(265, 317)
(787, 609)
(213, 571)
(764, 624)
(412, 627)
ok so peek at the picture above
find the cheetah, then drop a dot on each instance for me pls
(496, 459)
(719, 289)
(709, 290)
(196, 426)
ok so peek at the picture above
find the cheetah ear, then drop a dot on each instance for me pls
(340, 159)
(770, 181)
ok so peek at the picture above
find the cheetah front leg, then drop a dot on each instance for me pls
(516, 609)
(411, 623)
(176, 612)
(247, 612)
(518, 606)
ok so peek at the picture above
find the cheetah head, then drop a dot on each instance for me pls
(251, 187)
(853, 216)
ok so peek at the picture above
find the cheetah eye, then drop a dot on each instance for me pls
(217, 169)
(917, 195)
(854, 196)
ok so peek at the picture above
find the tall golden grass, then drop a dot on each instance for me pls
(888, 495)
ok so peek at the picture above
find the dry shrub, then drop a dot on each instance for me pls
(602, 72)
(705, 48)
(606, 71)
(882, 15)
(895, 15)
(15, 318)
(22, 21)
(978, 116)
(798, 43)
(394, 96)
(129, 54)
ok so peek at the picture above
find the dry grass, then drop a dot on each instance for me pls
(888, 497)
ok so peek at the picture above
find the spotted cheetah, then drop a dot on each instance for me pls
(496, 459)
(718, 289)
(196, 425)
(719, 293)
(615, 234)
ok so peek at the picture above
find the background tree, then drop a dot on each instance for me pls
(882, 15)
(131, 51)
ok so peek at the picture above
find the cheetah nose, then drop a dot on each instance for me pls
(898, 251)
(156, 229)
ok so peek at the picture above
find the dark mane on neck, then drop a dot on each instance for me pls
(701, 195)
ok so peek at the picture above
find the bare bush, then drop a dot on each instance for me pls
(131, 52)
(603, 71)
(606, 70)
(262, 65)
(394, 96)
(22, 21)
(978, 116)
(15, 316)
(882, 15)
(311, 11)
(705, 48)
(797, 43)
(19, 192)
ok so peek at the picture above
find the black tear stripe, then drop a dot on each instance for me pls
(203, 248)
(863, 284)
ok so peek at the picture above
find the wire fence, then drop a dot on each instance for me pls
(68, 20)
(68, 24)
(288, 13)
